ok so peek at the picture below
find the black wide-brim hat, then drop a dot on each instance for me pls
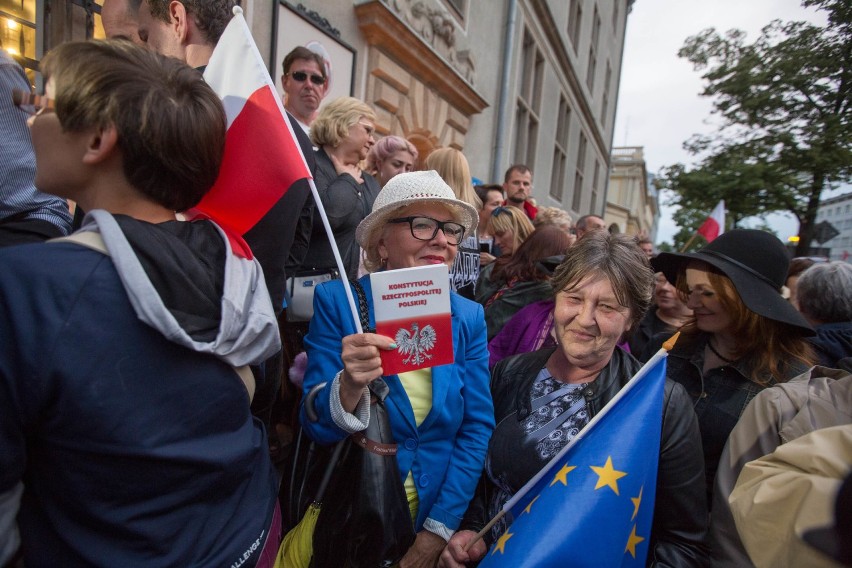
(755, 261)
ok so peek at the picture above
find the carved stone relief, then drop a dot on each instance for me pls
(437, 28)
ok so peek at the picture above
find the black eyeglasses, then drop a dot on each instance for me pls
(31, 103)
(301, 76)
(425, 228)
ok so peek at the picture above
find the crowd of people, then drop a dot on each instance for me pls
(156, 381)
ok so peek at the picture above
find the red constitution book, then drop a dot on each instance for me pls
(412, 306)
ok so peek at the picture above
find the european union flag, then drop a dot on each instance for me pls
(594, 502)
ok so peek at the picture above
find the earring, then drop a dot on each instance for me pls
(384, 262)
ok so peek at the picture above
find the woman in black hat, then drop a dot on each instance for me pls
(744, 336)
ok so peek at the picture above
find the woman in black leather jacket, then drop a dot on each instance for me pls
(543, 399)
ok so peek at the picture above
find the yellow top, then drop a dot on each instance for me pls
(418, 388)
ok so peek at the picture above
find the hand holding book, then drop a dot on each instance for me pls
(362, 364)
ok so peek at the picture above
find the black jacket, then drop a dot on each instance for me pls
(346, 203)
(680, 514)
(286, 223)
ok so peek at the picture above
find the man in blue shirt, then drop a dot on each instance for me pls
(26, 214)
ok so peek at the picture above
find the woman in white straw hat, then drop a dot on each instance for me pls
(442, 417)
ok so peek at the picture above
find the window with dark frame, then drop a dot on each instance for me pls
(605, 100)
(579, 174)
(593, 51)
(560, 149)
(575, 18)
(595, 181)
(529, 101)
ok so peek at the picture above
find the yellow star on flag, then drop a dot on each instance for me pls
(501, 542)
(608, 475)
(562, 474)
(527, 509)
(632, 541)
(636, 502)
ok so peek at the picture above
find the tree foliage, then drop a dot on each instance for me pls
(785, 106)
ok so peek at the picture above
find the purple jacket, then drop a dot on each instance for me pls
(527, 331)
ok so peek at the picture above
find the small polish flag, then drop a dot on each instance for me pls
(715, 223)
(262, 157)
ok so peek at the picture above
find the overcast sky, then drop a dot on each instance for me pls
(659, 106)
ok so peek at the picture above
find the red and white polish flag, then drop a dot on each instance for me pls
(262, 157)
(715, 223)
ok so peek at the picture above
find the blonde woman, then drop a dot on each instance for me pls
(452, 166)
(510, 227)
(343, 134)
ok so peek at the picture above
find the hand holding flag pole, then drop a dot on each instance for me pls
(262, 156)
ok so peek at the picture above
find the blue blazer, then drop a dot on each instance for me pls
(446, 453)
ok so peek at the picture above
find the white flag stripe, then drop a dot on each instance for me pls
(236, 70)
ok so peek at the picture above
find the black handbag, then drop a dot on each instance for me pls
(365, 520)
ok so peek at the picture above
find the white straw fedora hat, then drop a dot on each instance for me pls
(410, 188)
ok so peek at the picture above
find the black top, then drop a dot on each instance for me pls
(346, 203)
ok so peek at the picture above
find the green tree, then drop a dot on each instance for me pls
(785, 104)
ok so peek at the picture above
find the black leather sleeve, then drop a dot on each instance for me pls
(680, 513)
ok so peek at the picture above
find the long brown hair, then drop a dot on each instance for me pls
(767, 347)
(522, 265)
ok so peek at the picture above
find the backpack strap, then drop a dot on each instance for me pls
(94, 241)
(88, 239)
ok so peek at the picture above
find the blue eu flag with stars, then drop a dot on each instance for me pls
(593, 504)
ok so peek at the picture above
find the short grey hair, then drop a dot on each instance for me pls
(824, 292)
(616, 258)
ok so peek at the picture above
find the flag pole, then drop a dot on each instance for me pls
(481, 534)
(689, 242)
(341, 270)
(667, 346)
(241, 22)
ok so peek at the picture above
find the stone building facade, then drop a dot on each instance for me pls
(836, 212)
(632, 205)
(505, 81)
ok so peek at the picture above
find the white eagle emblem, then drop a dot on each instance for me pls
(416, 343)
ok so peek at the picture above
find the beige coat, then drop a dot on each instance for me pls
(791, 490)
(819, 398)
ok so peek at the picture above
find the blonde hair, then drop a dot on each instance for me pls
(453, 167)
(336, 118)
(511, 219)
(553, 216)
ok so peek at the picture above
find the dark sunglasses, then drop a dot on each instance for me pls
(301, 76)
(426, 228)
(498, 210)
(31, 103)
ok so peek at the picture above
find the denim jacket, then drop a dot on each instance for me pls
(719, 396)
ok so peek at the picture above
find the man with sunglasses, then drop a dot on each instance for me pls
(305, 84)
